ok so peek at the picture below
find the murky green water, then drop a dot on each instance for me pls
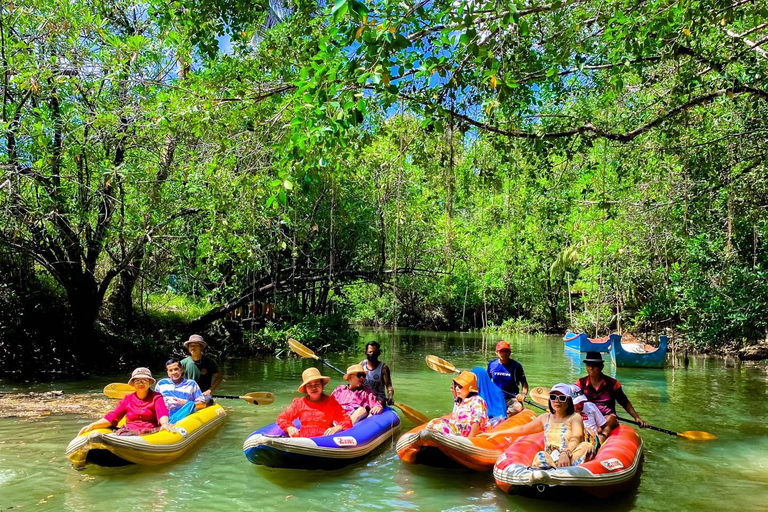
(714, 395)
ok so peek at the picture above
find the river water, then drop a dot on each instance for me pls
(716, 395)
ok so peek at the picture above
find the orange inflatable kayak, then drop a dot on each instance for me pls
(421, 446)
(611, 471)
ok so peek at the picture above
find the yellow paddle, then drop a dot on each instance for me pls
(120, 390)
(304, 351)
(443, 366)
(541, 395)
(440, 365)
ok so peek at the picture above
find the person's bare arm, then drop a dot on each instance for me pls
(388, 384)
(217, 379)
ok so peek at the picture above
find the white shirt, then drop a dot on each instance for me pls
(592, 417)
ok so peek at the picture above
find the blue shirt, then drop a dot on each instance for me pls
(507, 376)
(187, 390)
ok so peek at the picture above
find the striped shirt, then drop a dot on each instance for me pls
(187, 390)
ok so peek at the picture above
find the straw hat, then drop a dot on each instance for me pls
(195, 338)
(467, 380)
(309, 375)
(355, 368)
(141, 373)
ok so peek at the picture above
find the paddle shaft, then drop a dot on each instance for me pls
(657, 429)
(328, 364)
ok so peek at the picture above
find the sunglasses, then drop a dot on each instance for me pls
(457, 386)
(141, 381)
(360, 375)
(558, 398)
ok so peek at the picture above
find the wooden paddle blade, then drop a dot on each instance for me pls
(696, 435)
(540, 395)
(412, 414)
(300, 349)
(118, 390)
(259, 398)
(440, 365)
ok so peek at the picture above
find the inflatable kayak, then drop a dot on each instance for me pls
(422, 446)
(103, 448)
(611, 471)
(271, 446)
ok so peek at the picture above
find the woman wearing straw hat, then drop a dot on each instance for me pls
(319, 414)
(144, 410)
(470, 412)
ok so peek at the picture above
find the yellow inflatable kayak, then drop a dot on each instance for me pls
(103, 448)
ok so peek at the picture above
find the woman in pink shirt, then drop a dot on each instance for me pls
(357, 399)
(145, 411)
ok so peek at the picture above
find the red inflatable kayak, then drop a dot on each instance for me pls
(611, 471)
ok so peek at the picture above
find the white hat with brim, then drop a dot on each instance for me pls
(577, 394)
(141, 373)
(309, 375)
(561, 388)
(195, 338)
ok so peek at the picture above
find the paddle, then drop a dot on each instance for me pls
(120, 390)
(304, 351)
(541, 395)
(443, 366)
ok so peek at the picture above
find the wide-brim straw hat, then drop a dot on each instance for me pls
(195, 338)
(467, 380)
(355, 368)
(309, 375)
(141, 373)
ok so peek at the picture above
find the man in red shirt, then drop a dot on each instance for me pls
(319, 414)
(605, 391)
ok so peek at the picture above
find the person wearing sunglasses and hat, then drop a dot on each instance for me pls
(201, 369)
(604, 392)
(509, 376)
(470, 412)
(144, 410)
(319, 414)
(356, 398)
(564, 440)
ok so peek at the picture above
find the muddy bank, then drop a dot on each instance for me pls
(40, 405)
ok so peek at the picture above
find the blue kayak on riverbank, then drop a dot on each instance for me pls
(640, 355)
(580, 342)
(271, 446)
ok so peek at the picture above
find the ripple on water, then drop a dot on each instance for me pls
(6, 475)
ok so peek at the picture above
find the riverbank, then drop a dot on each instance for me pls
(40, 405)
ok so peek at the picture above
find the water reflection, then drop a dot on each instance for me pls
(715, 395)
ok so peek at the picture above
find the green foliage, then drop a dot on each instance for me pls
(326, 334)
(444, 165)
